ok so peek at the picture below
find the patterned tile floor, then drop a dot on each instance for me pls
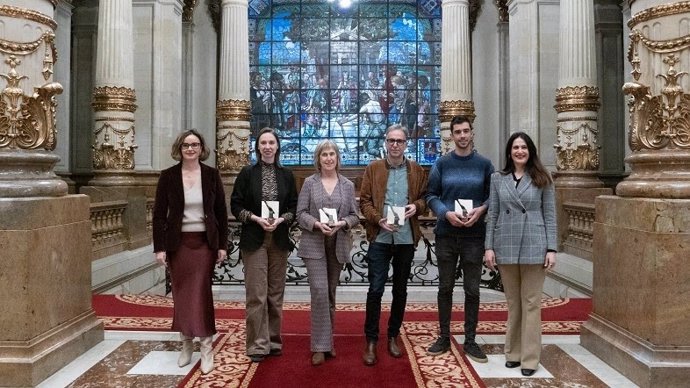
(148, 359)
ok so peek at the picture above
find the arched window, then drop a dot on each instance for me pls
(322, 71)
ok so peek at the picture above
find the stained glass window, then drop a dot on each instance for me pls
(322, 71)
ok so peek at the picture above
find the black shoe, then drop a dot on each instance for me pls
(276, 352)
(528, 372)
(256, 357)
(512, 364)
(473, 351)
(441, 346)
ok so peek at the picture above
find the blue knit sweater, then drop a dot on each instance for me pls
(458, 177)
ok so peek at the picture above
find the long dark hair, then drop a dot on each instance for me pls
(539, 174)
(256, 144)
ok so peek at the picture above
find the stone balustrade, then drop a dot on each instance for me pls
(580, 229)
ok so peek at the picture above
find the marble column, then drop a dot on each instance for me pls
(233, 105)
(45, 281)
(456, 68)
(577, 98)
(114, 97)
(644, 232)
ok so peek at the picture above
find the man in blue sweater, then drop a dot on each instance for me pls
(456, 179)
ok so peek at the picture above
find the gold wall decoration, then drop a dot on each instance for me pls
(16, 48)
(27, 122)
(234, 156)
(118, 156)
(658, 11)
(577, 98)
(233, 110)
(661, 121)
(577, 148)
(114, 98)
(28, 14)
(448, 109)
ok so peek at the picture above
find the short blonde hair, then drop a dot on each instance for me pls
(322, 146)
(176, 151)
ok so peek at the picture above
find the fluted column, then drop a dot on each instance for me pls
(114, 98)
(456, 67)
(27, 100)
(659, 132)
(233, 106)
(577, 98)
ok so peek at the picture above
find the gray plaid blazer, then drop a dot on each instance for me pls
(521, 223)
(310, 200)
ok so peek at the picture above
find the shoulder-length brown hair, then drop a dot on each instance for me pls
(536, 170)
(176, 151)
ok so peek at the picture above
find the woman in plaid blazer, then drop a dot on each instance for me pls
(325, 242)
(521, 240)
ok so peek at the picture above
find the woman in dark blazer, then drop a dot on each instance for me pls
(264, 242)
(521, 240)
(190, 229)
(325, 243)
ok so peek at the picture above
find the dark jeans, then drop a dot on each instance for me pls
(379, 257)
(470, 251)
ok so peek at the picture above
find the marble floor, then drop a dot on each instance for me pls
(148, 359)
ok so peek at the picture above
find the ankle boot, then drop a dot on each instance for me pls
(186, 353)
(206, 354)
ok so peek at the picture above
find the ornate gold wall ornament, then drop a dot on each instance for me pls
(119, 156)
(214, 12)
(448, 109)
(582, 118)
(662, 121)
(188, 10)
(658, 12)
(233, 110)
(577, 98)
(115, 98)
(475, 8)
(232, 158)
(15, 48)
(577, 148)
(27, 122)
(28, 14)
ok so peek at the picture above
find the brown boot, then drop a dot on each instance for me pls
(393, 348)
(370, 354)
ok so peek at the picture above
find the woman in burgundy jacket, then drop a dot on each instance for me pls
(190, 229)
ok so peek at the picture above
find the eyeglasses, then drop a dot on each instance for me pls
(186, 146)
(396, 141)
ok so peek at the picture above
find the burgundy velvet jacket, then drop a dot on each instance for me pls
(169, 206)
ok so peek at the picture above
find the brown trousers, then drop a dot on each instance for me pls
(265, 270)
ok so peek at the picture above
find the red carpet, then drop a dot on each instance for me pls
(293, 368)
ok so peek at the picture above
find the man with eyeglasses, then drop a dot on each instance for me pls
(457, 179)
(390, 183)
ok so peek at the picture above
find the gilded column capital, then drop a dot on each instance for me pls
(658, 12)
(232, 151)
(114, 98)
(448, 109)
(577, 98)
(659, 105)
(27, 121)
(28, 14)
(502, 6)
(188, 10)
(233, 110)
